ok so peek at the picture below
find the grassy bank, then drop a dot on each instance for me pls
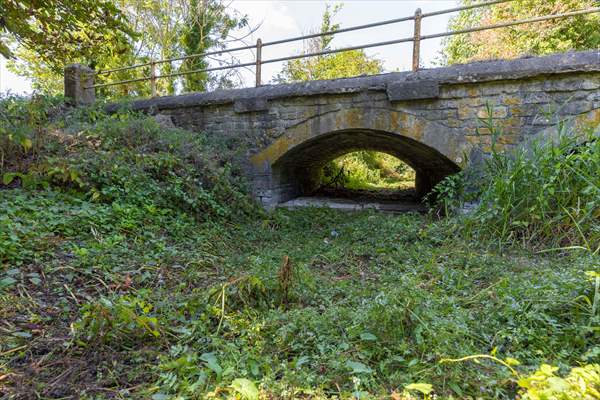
(133, 265)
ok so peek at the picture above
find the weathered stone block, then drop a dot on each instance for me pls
(401, 91)
(466, 112)
(496, 112)
(250, 105)
(511, 101)
(576, 107)
(569, 85)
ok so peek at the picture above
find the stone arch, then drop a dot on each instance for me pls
(288, 167)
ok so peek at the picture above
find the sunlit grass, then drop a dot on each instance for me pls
(370, 170)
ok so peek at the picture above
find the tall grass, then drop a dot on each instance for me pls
(544, 195)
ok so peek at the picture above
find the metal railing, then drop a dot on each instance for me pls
(257, 64)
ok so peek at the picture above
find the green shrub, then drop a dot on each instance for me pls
(542, 195)
(124, 157)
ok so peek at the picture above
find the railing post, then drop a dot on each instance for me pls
(258, 61)
(79, 80)
(417, 40)
(153, 78)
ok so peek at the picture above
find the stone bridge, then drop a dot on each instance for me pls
(431, 119)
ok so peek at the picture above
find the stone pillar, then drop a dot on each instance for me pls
(78, 79)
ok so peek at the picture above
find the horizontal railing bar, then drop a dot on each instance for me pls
(210, 53)
(462, 8)
(351, 28)
(119, 82)
(304, 37)
(512, 23)
(195, 71)
(324, 52)
(386, 43)
(108, 71)
(272, 60)
(387, 22)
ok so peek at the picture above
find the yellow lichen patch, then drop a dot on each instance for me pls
(588, 121)
(466, 112)
(473, 92)
(416, 131)
(512, 101)
(272, 153)
(509, 139)
(496, 112)
(354, 118)
(473, 139)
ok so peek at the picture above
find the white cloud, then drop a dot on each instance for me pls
(274, 17)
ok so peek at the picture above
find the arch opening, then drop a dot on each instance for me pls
(367, 175)
(299, 172)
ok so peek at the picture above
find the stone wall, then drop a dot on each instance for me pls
(432, 119)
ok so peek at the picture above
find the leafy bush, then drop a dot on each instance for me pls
(21, 127)
(543, 195)
(123, 157)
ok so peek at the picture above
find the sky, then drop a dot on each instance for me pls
(280, 19)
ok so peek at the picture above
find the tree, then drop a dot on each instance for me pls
(573, 33)
(329, 66)
(161, 29)
(207, 27)
(57, 29)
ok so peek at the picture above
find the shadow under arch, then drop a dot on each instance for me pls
(297, 171)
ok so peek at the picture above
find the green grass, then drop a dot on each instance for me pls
(132, 266)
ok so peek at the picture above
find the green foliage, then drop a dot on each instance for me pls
(207, 26)
(125, 158)
(329, 66)
(581, 383)
(332, 66)
(157, 29)
(59, 30)
(548, 196)
(20, 127)
(448, 195)
(124, 319)
(560, 35)
(369, 170)
(544, 195)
